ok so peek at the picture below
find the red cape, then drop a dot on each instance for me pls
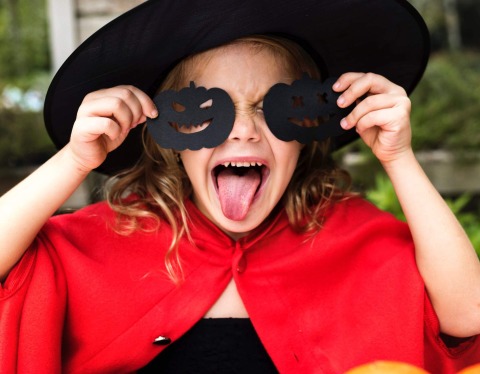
(84, 299)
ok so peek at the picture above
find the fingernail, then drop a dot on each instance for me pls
(344, 123)
(336, 86)
(154, 114)
(340, 100)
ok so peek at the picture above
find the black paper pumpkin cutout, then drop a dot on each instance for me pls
(184, 109)
(304, 111)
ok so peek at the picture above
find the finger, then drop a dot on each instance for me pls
(388, 120)
(89, 129)
(375, 81)
(147, 104)
(109, 107)
(357, 85)
(374, 103)
(344, 81)
(142, 105)
(119, 102)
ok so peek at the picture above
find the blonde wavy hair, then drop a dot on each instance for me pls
(160, 184)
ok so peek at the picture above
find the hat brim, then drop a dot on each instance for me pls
(387, 37)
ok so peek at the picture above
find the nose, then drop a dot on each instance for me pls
(244, 128)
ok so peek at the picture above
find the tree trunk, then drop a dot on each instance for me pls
(452, 23)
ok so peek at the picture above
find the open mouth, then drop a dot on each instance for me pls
(238, 184)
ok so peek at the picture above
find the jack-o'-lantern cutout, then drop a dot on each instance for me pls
(192, 118)
(304, 111)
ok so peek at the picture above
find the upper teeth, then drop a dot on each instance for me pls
(241, 164)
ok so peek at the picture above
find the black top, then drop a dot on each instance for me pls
(217, 345)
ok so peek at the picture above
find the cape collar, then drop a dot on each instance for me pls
(202, 228)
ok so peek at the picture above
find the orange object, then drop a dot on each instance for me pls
(474, 369)
(388, 367)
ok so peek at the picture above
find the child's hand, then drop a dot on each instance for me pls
(381, 116)
(104, 120)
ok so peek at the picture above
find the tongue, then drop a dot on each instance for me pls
(236, 192)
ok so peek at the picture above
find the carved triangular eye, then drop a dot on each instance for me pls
(207, 104)
(297, 102)
(177, 107)
(322, 98)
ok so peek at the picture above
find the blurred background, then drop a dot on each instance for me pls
(37, 35)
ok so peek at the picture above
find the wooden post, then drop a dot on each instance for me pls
(62, 28)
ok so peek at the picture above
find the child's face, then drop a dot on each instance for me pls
(238, 204)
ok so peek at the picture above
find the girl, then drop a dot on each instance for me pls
(255, 242)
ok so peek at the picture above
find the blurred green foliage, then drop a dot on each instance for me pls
(382, 194)
(23, 139)
(446, 104)
(24, 42)
(24, 70)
